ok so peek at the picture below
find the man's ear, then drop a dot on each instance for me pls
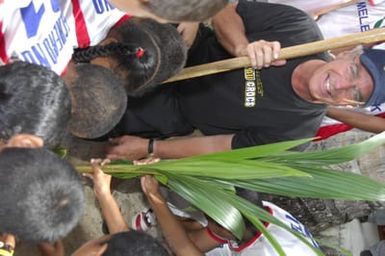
(25, 141)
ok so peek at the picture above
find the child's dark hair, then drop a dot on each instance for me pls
(134, 243)
(172, 49)
(98, 98)
(137, 55)
(41, 195)
(33, 100)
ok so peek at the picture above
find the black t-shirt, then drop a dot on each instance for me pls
(258, 107)
(261, 111)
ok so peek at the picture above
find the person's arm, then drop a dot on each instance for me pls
(188, 32)
(231, 34)
(230, 30)
(358, 120)
(172, 229)
(110, 209)
(133, 148)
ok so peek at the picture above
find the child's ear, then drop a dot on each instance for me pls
(25, 141)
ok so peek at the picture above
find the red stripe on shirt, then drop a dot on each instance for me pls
(3, 52)
(82, 35)
(327, 131)
(215, 237)
(122, 19)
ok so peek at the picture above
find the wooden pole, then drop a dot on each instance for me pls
(368, 37)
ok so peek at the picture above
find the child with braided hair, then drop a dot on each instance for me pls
(136, 50)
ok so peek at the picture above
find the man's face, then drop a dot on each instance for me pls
(136, 8)
(343, 81)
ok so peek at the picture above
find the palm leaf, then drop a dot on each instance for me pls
(253, 152)
(325, 184)
(208, 181)
(227, 169)
(208, 198)
(331, 156)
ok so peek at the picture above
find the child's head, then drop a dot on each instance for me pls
(98, 99)
(143, 52)
(172, 48)
(171, 10)
(130, 243)
(33, 100)
(128, 51)
(42, 195)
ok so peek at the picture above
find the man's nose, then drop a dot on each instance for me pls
(345, 83)
(345, 89)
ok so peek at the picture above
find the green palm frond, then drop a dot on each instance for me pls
(208, 181)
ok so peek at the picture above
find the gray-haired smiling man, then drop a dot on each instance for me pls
(280, 100)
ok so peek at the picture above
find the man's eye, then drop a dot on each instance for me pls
(354, 70)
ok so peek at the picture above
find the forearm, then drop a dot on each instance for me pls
(111, 214)
(172, 230)
(186, 147)
(358, 120)
(230, 30)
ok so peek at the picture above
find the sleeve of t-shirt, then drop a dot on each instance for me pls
(276, 22)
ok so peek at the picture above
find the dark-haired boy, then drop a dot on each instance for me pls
(33, 100)
(42, 193)
(37, 101)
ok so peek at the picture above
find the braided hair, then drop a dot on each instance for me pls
(137, 55)
(173, 49)
(87, 54)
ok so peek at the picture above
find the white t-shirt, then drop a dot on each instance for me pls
(93, 20)
(307, 5)
(259, 245)
(358, 17)
(45, 32)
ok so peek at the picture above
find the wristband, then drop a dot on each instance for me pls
(150, 148)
